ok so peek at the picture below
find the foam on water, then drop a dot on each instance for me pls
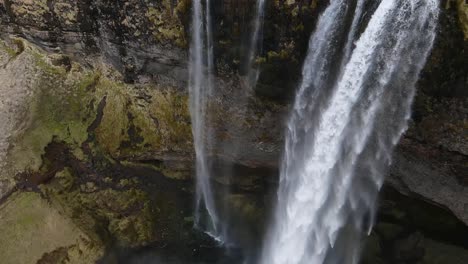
(342, 131)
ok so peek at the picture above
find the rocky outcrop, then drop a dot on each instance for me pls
(463, 16)
(431, 161)
(17, 93)
(102, 151)
(63, 136)
(27, 219)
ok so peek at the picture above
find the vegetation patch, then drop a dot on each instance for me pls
(29, 224)
(165, 23)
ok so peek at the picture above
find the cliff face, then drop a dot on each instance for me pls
(94, 107)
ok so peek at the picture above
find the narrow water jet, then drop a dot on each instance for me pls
(232, 147)
(255, 44)
(200, 90)
(353, 31)
(341, 133)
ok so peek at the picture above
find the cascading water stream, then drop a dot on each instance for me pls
(201, 82)
(233, 146)
(353, 31)
(254, 50)
(341, 133)
(200, 90)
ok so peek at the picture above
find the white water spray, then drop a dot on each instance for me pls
(200, 90)
(341, 133)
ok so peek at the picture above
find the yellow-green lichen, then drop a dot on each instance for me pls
(61, 109)
(126, 214)
(284, 54)
(67, 12)
(112, 130)
(29, 224)
(66, 105)
(134, 229)
(31, 11)
(462, 6)
(170, 109)
(165, 24)
(10, 51)
(42, 62)
(130, 126)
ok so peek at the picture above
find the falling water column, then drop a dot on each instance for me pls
(256, 38)
(200, 90)
(334, 162)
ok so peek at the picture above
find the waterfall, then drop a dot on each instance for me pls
(207, 214)
(254, 50)
(343, 127)
(200, 90)
(232, 147)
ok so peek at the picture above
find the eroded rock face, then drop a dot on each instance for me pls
(17, 92)
(29, 224)
(432, 159)
(151, 38)
(102, 151)
(59, 146)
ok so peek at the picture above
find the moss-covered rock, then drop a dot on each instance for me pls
(29, 224)
(31, 12)
(122, 216)
(156, 124)
(80, 125)
(165, 23)
(77, 105)
(463, 16)
(61, 109)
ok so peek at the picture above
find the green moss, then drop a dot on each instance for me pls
(134, 229)
(281, 55)
(67, 109)
(67, 12)
(104, 214)
(463, 16)
(165, 24)
(171, 111)
(66, 106)
(10, 51)
(31, 10)
(62, 109)
(131, 127)
(260, 60)
(29, 224)
(112, 130)
(43, 64)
